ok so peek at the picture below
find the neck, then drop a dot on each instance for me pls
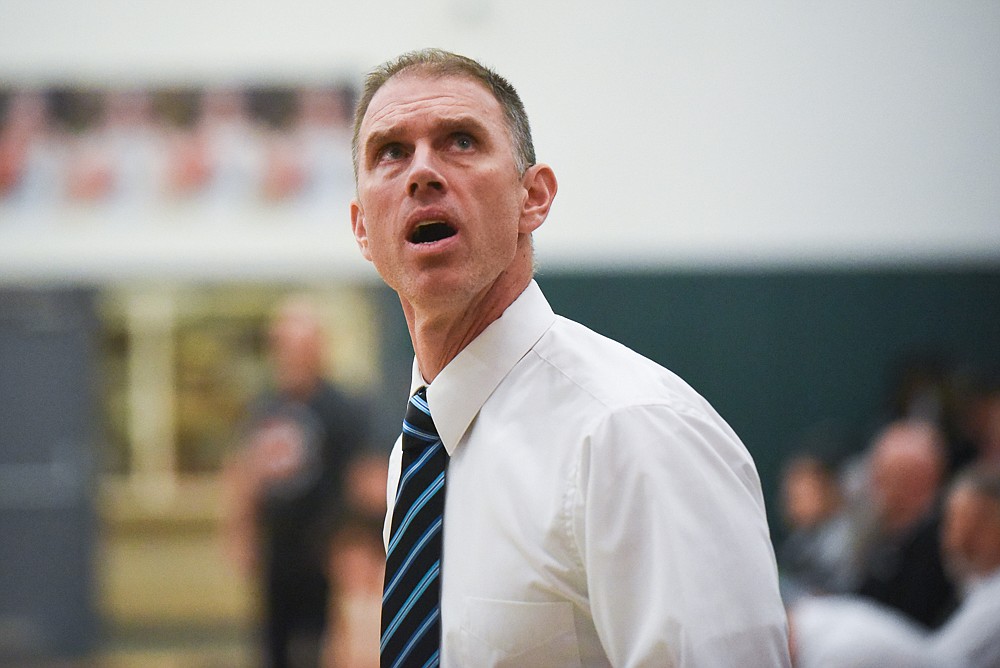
(906, 518)
(301, 390)
(439, 334)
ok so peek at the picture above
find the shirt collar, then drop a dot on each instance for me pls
(464, 385)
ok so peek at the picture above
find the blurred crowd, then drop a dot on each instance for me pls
(133, 150)
(892, 556)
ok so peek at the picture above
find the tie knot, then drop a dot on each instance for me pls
(418, 427)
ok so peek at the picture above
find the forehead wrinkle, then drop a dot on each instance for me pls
(384, 114)
(438, 123)
(394, 107)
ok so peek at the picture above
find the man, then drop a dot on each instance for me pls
(285, 486)
(817, 554)
(845, 631)
(902, 565)
(598, 511)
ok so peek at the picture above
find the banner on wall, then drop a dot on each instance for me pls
(110, 156)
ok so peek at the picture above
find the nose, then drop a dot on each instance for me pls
(424, 173)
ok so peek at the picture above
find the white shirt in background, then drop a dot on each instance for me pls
(851, 631)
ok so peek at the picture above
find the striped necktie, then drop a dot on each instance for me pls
(411, 599)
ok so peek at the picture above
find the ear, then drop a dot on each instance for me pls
(359, 229)
(540, 187)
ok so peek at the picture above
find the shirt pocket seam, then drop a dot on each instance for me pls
(484, 618)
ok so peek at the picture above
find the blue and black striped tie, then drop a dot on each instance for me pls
(411, 599)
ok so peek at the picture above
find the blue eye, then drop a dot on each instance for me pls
(464, 141)
(390, 152)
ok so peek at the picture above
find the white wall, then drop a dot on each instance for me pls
(683, 133)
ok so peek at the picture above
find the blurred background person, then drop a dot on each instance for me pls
(847, 631)
(187, 168)
(89, 163)
(31, 151)
(133, 143)
(282, 173)
(357, 569)
(231, 140)
(322, 137)
(982, 418)
(819, 552)
(307, 146)
(286, 486)
(901, 563)
(927, 386)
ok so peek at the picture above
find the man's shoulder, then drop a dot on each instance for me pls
(613, 373)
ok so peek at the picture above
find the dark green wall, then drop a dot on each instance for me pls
(779, 352)
(775, 352)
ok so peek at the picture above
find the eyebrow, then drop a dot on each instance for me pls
(464, 123)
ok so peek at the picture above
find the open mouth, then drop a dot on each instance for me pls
(431, 231)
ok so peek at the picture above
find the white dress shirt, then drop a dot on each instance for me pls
(599, 512)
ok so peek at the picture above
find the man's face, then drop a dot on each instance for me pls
(296, 344)
(970, 534)
(808, 494)
(440, 204)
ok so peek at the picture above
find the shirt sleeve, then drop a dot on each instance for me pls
(679, 565)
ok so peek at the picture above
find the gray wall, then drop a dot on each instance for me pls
(47, 519)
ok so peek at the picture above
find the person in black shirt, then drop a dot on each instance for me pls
(286, 486)
(902, 566)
